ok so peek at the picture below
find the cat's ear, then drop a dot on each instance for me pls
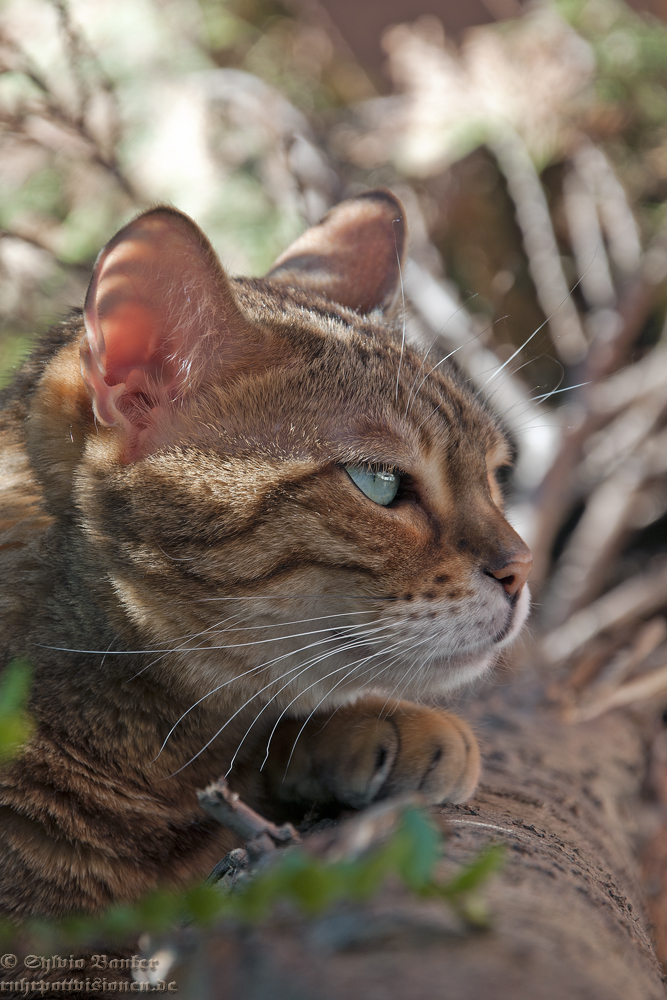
(159, 305)
(353, 256)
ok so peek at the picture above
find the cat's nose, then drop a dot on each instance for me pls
(513, 574)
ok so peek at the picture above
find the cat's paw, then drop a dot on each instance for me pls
(372, 749)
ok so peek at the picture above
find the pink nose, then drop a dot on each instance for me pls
(514, 574)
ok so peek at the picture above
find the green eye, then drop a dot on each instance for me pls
(381, 487)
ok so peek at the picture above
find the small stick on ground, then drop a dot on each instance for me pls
(260, 835)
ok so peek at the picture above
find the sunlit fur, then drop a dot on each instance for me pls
(189, 608)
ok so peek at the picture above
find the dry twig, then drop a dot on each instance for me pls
(261, 835)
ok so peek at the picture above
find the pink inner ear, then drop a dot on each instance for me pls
(135, 332)
(132, 340)
(156, 299)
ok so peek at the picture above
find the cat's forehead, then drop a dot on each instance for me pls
(349, 387)
(302, 313)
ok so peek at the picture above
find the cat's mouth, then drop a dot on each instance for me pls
(520, 603)
(466, 629)
(456, 657)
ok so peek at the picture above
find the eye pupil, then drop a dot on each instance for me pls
(379, 486)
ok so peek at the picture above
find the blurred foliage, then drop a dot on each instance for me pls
(630, 115)
(15, 722)
(13, 349)
(292, 876)
(296, 56)
(103, 111)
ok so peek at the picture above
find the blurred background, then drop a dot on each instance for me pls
(529, 145)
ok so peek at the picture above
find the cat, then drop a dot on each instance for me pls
(241, 522)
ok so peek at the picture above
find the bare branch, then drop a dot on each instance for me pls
(55, 110)
(604, 525)
(35, 242)
(639, 596)
(615, 213)
(603, 692)
(587, 242)
(533, 216)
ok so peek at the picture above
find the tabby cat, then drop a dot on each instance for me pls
(240, 521)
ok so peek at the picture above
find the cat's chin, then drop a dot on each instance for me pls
(448, 676)
(445, 677)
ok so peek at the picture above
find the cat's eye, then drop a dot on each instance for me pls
(379, 486)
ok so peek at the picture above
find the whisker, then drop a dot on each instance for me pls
(242, 628)
(442, 360)
(297, 597)
(256, 669)
(552, 392)
(105, 655)
(180, 649)
(398, 683)
(514, 371)
(436, 338)
(196, 635)
(510, 374)
(343, 680)
(299, 667)
(251, 627)
(297, 621)
(352, 668)
(362, 642)
(434, 410)
(400, 275)
(327, 695)
(511, 358)
(302, 669)
(528, 339)
(175, 558)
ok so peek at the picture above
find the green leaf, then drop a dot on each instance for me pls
(365, 876)
(118, 922)
(423, 844)
(315, 886)
(203, 903)
(15, 688)
(159, 910)
(476, 873)
(15, 723)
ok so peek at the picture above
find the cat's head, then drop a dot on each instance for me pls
(272, 479)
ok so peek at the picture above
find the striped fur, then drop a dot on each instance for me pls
(193, 573)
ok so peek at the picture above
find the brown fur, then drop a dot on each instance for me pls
(178, 536)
